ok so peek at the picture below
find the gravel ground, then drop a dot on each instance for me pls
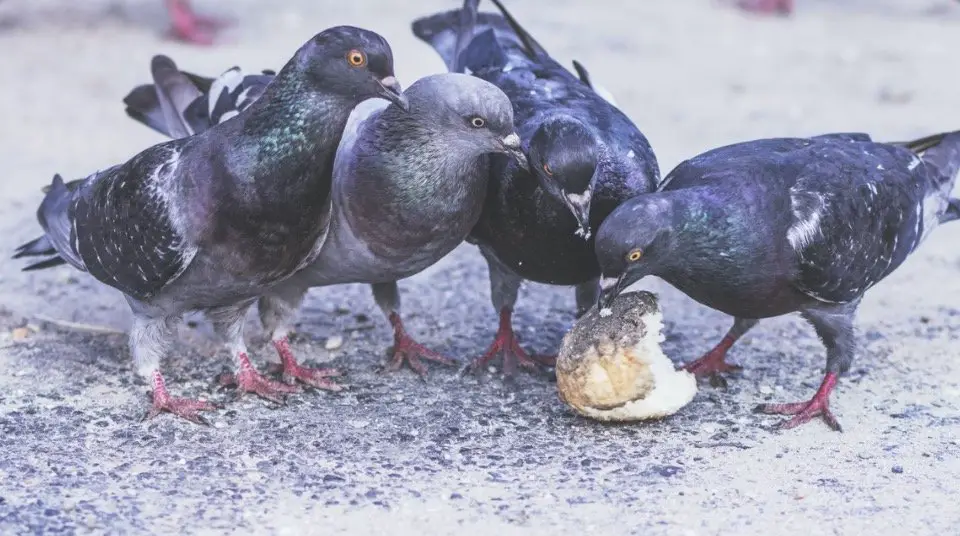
(454, 455)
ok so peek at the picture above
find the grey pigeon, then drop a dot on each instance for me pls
(408, 188)
(208, 222)
(769, 227)
(586, 157)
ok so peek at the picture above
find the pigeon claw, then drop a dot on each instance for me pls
(186, 408)
(407, 350)
(713, 362)
(292, 372)
(248, 380)
(251, 381)
(191, 28)
(507, 345)
(314, 377)
(767, 7)
(803, 412)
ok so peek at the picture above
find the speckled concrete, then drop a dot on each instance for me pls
(463, 455)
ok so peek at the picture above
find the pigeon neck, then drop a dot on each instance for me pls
(407, 169)
(417, 164)
(701, 241)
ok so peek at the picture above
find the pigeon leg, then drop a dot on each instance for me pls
(228, 323)
(504, 288)
(507, 344)
(587, 295)
(277, 310)
(834, 326)
(190, 27)
(149, 338)
(405, 348)
(715, 361)
(767, 7)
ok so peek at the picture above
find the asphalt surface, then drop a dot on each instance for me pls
(456, 454)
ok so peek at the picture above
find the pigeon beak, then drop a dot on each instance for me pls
(390, 90)
(610, 288)
(511, 146)
(579, 205)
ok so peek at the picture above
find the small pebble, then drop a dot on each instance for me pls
(334, 342)
(605, 312)
(19, 334)
(897, 469)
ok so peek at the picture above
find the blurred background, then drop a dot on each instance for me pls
(693, 75)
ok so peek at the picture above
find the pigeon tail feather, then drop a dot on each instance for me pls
(533, 48)
(143, 106)
(54, 216)
(953, 211)
(180, 103)
(943, 152)
(468, 21)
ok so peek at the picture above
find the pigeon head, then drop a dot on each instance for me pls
(565, 158)
(478, 114)
(634, 241)
(352, 62)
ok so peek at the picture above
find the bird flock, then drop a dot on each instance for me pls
(325, 172)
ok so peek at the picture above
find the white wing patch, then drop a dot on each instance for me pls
(229, 80)
(162, 191)
(807, 208)
(607, 96)
(934, 204)
(914, 163)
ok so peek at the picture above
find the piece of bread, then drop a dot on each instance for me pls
(611, 368)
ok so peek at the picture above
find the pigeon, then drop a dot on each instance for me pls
(586, 157)
(423, 174)
(209, 222)
(769, 227)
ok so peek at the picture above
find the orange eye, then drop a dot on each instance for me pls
(634, 255)
(356, 58)
(546, 169)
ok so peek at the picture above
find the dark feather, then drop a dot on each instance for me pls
(530, 44)
(179, 103)
(49, 263)
(582, 73)
(144, 253)
(36, 247)
(55, 217)
(174, 92)
(142, 105)
(919, 146)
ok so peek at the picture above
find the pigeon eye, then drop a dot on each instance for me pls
(356, 58)
(634, 255)
(477, 122)
(547, 170)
